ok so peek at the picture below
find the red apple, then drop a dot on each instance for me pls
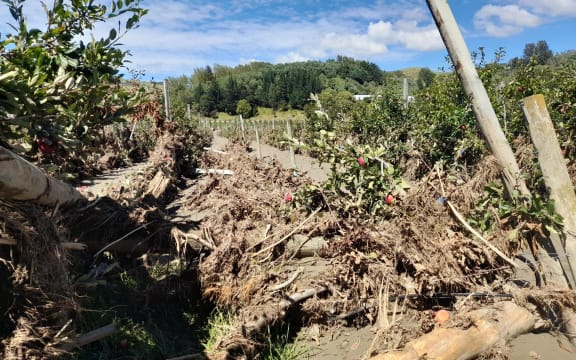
(389, 199)
(46, 146)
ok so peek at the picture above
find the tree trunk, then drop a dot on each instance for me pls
(504, 322)
(20, 180)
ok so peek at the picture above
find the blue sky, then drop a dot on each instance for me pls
(177, 36)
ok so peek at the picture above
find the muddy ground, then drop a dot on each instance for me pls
(344, 342)
(244, 248)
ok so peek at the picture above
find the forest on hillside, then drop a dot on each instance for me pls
(288, 86)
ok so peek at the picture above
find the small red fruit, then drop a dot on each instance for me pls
(288, 198)
(389, 199)
(361, 161)
(46, 146)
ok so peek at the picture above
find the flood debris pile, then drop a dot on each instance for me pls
(228, 236)
(358, 273)
(61, 266)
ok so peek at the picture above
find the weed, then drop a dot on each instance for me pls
(280, 347)
(219, 324)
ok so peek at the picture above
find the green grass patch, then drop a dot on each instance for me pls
(219, 324)
(268, 114)
(280, 347)
(159, 313)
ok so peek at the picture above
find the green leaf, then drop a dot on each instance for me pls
(9, 75)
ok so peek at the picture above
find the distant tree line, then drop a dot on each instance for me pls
(283, 86)
(244, 88)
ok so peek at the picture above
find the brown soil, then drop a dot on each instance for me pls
(252, 253)
(342, 341)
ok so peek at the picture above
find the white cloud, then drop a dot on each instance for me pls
(559, 8)
(409, 34)
(173, 14)
(179, 35)
(504, 20)
(292, 56)
(427, 39)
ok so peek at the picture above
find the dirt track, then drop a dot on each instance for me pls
(304, 164)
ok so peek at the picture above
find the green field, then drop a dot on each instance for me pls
(268, 114)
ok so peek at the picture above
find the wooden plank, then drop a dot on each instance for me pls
(557, 179)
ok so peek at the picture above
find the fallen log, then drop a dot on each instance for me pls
(20, 180)
(490, 326)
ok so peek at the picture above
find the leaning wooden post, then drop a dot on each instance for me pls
(476, 92)
(20, 180)
(556, 177)
(487, 119)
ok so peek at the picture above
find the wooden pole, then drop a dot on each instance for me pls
(167, 100)
(20, 180)
(477, 94)
(405, 92)
(88, 338)
(189, 112)
(487, 119)
(292, 155)
(556, 178)
(242, 127)
(258, 147)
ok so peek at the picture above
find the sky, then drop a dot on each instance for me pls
(178, 36)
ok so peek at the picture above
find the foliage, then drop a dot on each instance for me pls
(516, 214)
(280, 347)
(219, 325)
(425, 78)
(57, 88)
(359, 180)
(244, 108)
(280, 87)
(540, 52)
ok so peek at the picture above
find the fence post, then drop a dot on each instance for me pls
(556, 178)
(242, 127)
(405, 92)
(167, 101)
(292, 155)
(258, 147)
(189, 112)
